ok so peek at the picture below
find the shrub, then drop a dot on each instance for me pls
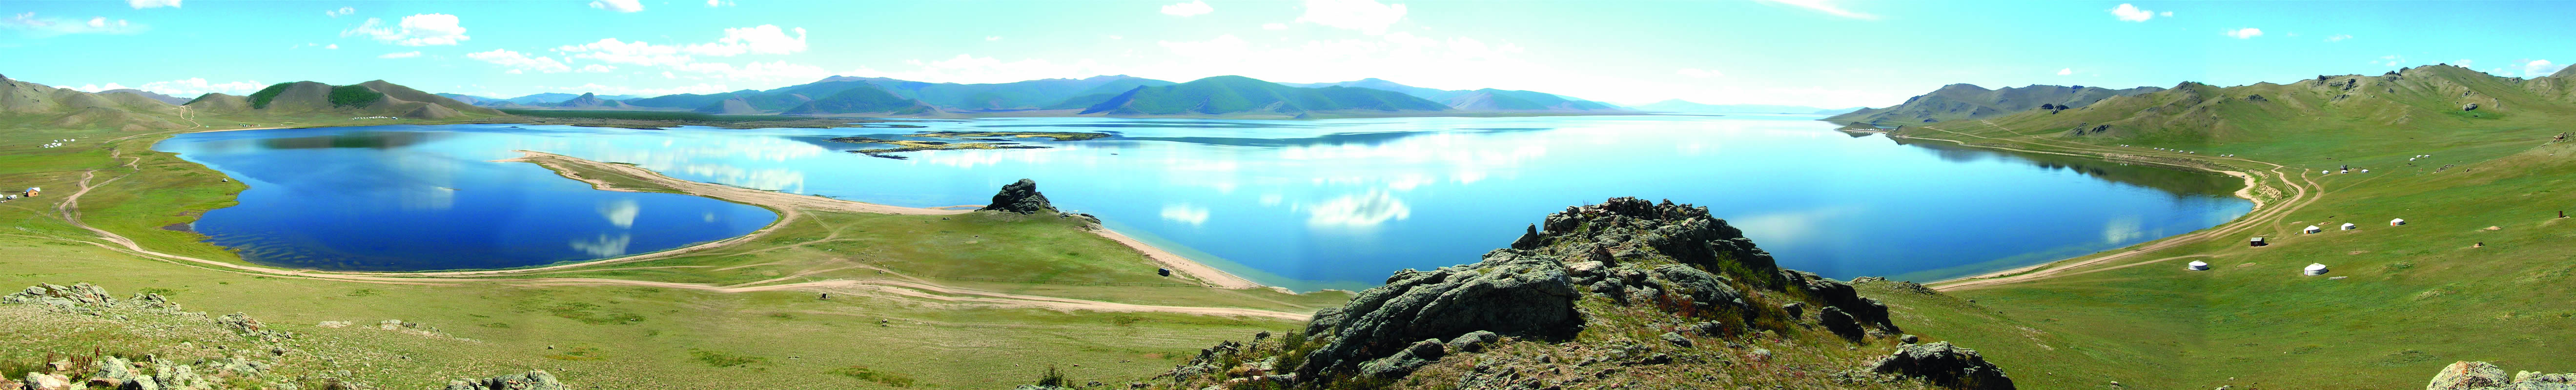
(1054, 377)
(354, 96)
(881, 377)
(721, 359)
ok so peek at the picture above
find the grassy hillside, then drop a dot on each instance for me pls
(861, 98)
(2471, 276)
(1965, 101)
(1237, 94)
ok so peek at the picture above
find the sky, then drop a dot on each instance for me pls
(1824, 53)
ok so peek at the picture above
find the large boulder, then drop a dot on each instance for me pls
(76, 295)
(1946, 365)
(1019, 197)
(1868, 312)
(532, 380)
(2484, 376)
(1511, 293)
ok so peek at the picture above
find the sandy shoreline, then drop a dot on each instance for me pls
(787, 204)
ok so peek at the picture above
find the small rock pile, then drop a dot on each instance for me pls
(2484, 376)
(85, 298)
(1946, 365)
(531, 380)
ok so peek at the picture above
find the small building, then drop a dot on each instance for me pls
(2350, 226)
(2197, 265)
(2313, 229)
(2395, 222)
(2315, 269)
(2257, 241)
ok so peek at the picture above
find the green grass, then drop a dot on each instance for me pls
(2417, 297)
(354, 96)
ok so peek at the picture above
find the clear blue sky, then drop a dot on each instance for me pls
(1830, 53)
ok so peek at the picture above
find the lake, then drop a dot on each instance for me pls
(1302, 204)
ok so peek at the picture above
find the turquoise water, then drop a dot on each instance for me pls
(1340, 203)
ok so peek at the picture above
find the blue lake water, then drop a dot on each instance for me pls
(1303, 204)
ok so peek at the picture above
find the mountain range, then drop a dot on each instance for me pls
(1487, 99)
(1967, 101)
(534, 100)
(31, 104)
(1125, 95)
(1688, 107)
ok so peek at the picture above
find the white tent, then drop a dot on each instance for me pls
(2199, 266)
(2349, 226)
(2395, 222)
(2316, 269)
(2313, 229)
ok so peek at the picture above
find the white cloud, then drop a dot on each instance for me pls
(141, 4)
(971, 69)
(2132, 13)
(2245, 33)
(343, 11)
(1274, 26)
(1698, 73)
(765, 71)
(719, 3)
(762, 39)
(415, 30)
(407, 54)
(2540, 68)
(2065, 71)
(1456, 62)
(1368, 16)
(1189, 9)
(596, 68)
(51, 26)
(1358, 210)
(2165, 14)
(618, 5)
(2338, 38)
(185, 88)
(2389, 60)
(2466, 63)
(616, 51)
(1825, 6)
(1185, 213)
(992, 38)
(334, 46)
(519, 62)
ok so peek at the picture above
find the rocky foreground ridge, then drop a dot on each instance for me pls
(237, 352)
(1623, 294)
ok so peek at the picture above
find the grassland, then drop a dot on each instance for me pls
(919, 301)
(2475, 274)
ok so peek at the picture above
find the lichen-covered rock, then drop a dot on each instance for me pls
(1869, 312)
(242, 323)
(1472, 341)
(2484, 376)
(1706, 290)
(1019, 197)
(1946, 365)
(82, 297)
(1511, 293)
(532, 380)
(36, 381)
(1839, 322)
(1413, 356)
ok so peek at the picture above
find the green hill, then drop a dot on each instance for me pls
(1238, 94)
(862, 99)
(2473, 274)
(30, 104)
(1965, 101)
(372, 98)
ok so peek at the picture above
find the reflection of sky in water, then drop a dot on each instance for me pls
(1339, 203)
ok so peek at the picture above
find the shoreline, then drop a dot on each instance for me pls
(783, 204)
(2035, 271)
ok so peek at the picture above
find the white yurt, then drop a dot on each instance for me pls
(2350, 226)
(2395, 222)
(2315, 269)
(2313, 229)
(2197, 265)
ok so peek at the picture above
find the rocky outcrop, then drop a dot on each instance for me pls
(532, 380)
(1019, 197)
(1868, 313)
(1946, 365)
(2484, 376)
(2469, 107)
(1511, 293)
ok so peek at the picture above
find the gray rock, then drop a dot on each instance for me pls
(1869, 312)
(35, 381)
(1412, 357)
(1473, 341)
(1909, 339)
(78, 298)
(1676, 339)
(1706, 290)
(1709, 328)
(1840, 323)
(2469, 107)
(1795, 309)
(1019, 197)
(1509, 293)
(2469, 376)
(531, 380)
(1946, 365)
